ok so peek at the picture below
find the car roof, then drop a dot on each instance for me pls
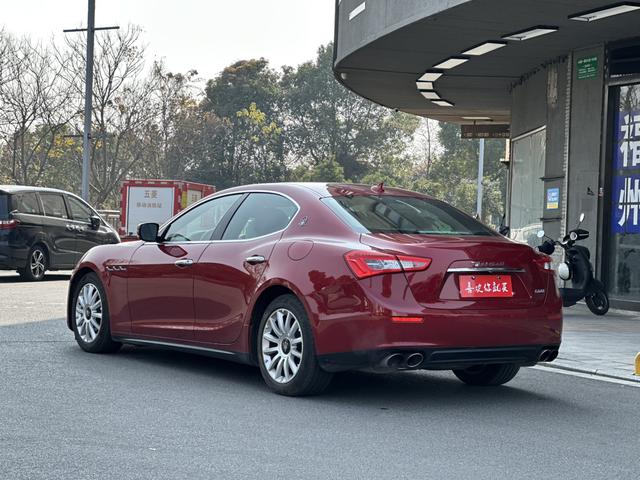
(27, 188)
(324, 189)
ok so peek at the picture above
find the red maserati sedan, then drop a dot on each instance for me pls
(308, 279)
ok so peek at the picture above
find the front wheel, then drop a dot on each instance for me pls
(598, 302)
(90, 321)
(488, 375)
(286, 352)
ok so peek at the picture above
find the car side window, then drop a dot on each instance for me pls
(199, 223)
(260, 214)
(26, 203)
(79, 211)
(53, 204)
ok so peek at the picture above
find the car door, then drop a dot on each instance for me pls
(86, 237)
(26, 210)
(230, 268)
(58, 232)
(161, 274)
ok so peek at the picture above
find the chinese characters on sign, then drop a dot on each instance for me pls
(151, 194)
(626, 187)
(485, 286)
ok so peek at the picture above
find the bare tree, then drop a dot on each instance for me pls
(34, 109)
(122, 106)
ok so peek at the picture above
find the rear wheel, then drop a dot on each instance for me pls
(286, 352)
(36, 264)
(91, 317)
(598, 302)
(488, 374)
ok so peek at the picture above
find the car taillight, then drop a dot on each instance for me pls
(544, 262)
(8, 224)
(366, 263)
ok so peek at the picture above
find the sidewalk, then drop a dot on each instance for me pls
(599, 345)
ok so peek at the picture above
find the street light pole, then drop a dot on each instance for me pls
(88, 94)
(480, 177)
(88, 102)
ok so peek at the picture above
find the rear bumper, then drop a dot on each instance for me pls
(7, 258)
(437, 358)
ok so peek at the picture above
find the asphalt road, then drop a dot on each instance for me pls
(145, 413)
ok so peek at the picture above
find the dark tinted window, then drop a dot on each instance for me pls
(4, 206)
(26, 203)
(199, 223)
(53, 204)
(79, 211)
(399, 214)
(260, 214)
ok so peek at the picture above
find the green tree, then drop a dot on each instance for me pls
(327, 170)
(325, 120)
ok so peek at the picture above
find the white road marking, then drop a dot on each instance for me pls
(618, 381)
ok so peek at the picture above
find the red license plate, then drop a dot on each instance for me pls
(485, 286)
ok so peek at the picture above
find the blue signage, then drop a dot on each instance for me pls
(627, 153)
(625, 190)
(553, 198)
(626, 204)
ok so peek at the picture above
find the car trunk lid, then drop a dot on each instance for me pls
(485, 259)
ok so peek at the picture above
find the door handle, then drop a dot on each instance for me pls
(185, 262)
(255, 259)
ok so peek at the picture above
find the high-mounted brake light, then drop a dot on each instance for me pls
(8, 224)
(365, 263)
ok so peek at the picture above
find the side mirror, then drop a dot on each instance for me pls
(148, 232)
(95, 222)
(504, 230)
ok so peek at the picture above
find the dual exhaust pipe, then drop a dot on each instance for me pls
(402, 361)
(548, 356)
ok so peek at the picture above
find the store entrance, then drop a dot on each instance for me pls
(624, 214)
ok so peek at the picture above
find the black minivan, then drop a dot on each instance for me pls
(47, 229)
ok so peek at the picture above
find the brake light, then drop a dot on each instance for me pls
(366, 263)
(8, 224)
(407, 319)
(544, 263)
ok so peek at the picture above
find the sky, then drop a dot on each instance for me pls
(205, 35)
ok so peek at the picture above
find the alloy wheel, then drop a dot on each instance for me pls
(282, 345)
(88, 312)
(36, 263)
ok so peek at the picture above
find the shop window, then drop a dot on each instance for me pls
(528, 161)
(624, 244)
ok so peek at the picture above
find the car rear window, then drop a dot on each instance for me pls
(403, 214)
(4, 206)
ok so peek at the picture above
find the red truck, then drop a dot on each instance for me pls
(145, 200)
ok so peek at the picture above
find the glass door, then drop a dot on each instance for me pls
(624, 224)
(527, 188)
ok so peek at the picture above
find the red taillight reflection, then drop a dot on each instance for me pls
(544, 262)
(366, 263)
(8, 224)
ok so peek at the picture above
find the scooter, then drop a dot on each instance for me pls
(579, 270)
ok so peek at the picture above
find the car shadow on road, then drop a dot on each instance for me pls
(49, 277)
(405, 390)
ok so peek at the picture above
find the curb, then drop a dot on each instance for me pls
(597, 373)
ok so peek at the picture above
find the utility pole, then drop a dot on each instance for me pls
(88, 95)
(480, 177)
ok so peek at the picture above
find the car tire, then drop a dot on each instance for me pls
(36, 264)
(488, 375)
(90, 311)
(286, 352)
